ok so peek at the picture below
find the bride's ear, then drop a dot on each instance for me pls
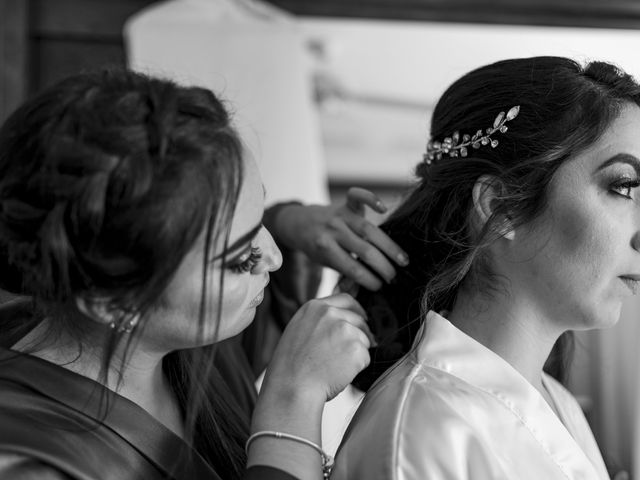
(487, 198)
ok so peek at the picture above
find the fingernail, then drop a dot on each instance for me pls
(403, 259)
(382, 208)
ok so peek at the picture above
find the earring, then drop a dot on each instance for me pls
(126, 324)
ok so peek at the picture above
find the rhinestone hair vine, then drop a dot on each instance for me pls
(450, 146)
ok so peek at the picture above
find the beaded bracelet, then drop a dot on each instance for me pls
(327, 460)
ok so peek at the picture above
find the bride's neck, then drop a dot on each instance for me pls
(510, 327)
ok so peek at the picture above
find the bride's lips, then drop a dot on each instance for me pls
(632, 282)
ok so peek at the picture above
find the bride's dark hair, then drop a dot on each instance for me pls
(107, 180)
(564, 108)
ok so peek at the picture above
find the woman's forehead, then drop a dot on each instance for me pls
(249, 209)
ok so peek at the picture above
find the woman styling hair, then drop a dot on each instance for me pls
(131, 217)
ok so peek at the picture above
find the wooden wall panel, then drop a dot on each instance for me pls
(67, 36)
(83, 19)
(13, 54)
(42, 40)
(55, 59)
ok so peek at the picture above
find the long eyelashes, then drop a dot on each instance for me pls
(624, 187)
(246, 265)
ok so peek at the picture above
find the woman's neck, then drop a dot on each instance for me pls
(512, 328)
(142, 381)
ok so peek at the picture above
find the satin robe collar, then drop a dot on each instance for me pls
(443, 346)
(133, 424)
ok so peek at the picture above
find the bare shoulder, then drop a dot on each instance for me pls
(22, 467)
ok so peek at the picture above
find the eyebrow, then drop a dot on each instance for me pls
(622, 158)
(240, 242)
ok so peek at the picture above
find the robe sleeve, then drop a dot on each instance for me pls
(423, 438)
(449, 454)
(437, 442)
(21, 467)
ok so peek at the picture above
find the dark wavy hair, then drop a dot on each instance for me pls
(564, 108)
(107, 179)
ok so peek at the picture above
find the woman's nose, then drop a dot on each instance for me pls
(271, 256)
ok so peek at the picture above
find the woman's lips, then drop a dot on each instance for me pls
(258, 298)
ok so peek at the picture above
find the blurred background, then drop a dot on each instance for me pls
(333, 93)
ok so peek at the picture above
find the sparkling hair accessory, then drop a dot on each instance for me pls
(450, 146)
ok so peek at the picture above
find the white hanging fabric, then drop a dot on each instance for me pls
(253, 55)
(617, 388)
(606, 371)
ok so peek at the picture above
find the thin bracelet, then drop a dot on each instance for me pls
(327, 460)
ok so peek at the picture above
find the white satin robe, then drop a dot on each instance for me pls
(453, 409)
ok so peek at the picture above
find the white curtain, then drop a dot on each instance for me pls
(254, 56)
(607, 373)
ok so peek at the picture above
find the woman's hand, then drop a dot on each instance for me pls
(324, 346)
(337, 236)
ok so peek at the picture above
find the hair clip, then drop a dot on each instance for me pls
(450, 146)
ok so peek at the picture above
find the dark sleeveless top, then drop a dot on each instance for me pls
(57, 418)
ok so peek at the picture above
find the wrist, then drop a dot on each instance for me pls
(288, 406)
(294, 412)
(282, 451)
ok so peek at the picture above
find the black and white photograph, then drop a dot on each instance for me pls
(319, 240)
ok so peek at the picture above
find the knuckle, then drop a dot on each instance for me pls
(335, 223)
(357, 272)
(323, 242)
(330, 311)
(362, 277)
(346, 298)
(343, 328)
(366, 359)
(369, 254)
(353, 347)
(367, 230)
(317, 305)
(324, 309)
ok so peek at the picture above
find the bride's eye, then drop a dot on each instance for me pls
(625, 187)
